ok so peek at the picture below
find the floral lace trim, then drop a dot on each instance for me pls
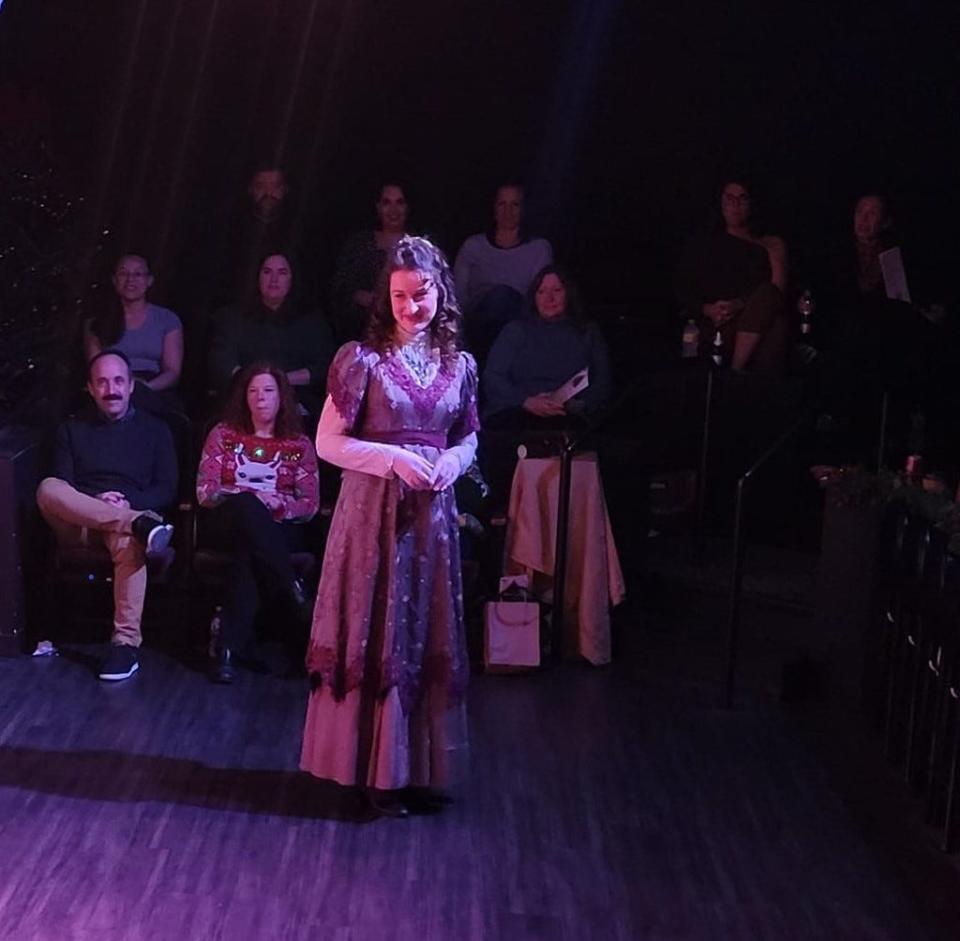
(468, 421)
(327, 668)
(346, 386)
(424, 398)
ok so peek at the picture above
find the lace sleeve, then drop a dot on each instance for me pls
(347, 381)
(467, 420)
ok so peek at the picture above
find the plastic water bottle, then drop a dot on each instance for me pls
(691, 340)
(805, 307)
(717, 354)
(915, 442)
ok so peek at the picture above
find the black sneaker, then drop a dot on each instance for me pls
(122, 662)
(222, 669)
(301, 602)
(150, 530)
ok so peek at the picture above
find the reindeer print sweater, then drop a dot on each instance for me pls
(235, 462)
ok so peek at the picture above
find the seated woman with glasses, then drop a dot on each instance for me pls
(150, 336)
(733, 279)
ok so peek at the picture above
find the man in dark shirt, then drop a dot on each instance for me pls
(265, 226)
(110, 474)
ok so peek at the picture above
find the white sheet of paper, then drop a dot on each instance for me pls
(576, 383)
(894, 275)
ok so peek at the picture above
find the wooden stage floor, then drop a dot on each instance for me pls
(618, 803)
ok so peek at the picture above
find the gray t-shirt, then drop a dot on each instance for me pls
(481, 265)
(144, 346)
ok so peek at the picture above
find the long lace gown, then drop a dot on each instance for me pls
(387, 656)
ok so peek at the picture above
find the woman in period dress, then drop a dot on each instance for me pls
(387, 656)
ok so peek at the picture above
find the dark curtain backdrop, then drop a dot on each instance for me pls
(622, 116)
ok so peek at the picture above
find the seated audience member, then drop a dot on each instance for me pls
(851, 296)
(494, 270)
(258, 477)
(872, 342)
(534, 357)
(217, 263)
(263, 225)
(530, 362)
(361, 261)
(855, 283)
(734, 280)
(872, 234)
(274, 327)
(110, 475)
(151, 337)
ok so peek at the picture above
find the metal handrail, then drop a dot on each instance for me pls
(739, 541)
(570, 446)
(699, 525)
(560, 548)
(739, 547)
(882, 440)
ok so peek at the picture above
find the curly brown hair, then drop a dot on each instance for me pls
(414, 253)
(236, 413)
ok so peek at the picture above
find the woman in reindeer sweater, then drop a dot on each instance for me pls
(258, 476)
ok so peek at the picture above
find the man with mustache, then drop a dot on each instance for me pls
(110, 473)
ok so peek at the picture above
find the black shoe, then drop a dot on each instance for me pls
(300, 601)
(387, 803)
(150, 530)
(122, 662)
(222, 669)
(423, 801)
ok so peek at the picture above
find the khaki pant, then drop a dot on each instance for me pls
(78, 519)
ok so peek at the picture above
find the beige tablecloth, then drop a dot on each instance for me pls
(594, 578)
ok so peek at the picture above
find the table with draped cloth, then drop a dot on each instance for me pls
(594, 580)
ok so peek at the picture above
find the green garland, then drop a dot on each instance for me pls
(856, 486)
(935, 506)
(859, 487)
(37, 231)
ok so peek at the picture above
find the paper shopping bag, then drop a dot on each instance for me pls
(511, 634)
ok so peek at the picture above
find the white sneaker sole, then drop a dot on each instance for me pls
(121, 676)
(159, 538)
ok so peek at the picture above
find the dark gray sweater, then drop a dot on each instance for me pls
(534, 355)
(134, 456)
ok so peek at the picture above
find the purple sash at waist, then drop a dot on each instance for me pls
(431, 439)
